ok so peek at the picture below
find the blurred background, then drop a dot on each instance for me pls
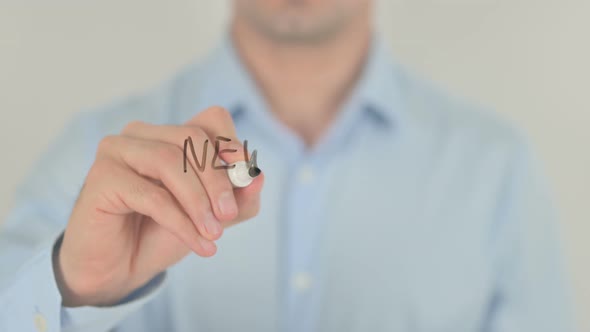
(528, 59)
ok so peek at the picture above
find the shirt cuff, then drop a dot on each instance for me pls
(100, 319)
(31, 301)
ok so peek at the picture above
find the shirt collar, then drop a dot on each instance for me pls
(377, 91)
(222, 79)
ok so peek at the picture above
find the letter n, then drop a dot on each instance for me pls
(189, 142)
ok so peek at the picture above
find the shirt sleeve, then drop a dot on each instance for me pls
(31, 301)
(29, 297)
(531, 284)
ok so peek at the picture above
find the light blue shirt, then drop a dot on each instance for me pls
(415, 212)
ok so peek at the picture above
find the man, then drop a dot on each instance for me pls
(386, 205)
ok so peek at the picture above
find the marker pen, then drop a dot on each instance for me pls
(244, 172)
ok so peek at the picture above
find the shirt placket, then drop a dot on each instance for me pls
(303, 232)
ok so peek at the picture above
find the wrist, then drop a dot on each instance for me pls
(77, 290)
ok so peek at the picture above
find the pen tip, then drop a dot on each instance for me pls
(254, 171)
(253, 162)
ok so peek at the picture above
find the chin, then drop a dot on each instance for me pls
(299, 20)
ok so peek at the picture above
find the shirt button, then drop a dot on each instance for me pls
(40, 323)
(306, 174)
(302, 281)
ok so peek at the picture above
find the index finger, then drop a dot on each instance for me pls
(217, 122)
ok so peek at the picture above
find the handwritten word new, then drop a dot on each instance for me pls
(188, 142)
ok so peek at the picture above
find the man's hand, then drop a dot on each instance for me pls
(139, 213)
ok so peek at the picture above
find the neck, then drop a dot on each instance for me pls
(305, 84)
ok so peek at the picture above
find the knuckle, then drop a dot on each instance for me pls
(196, 133)
(217, 113)
(138, 190)
(156, 197)
(107, 143)
(99, 170)
(132, 127)
(168, 154)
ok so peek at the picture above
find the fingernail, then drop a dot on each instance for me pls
(208, 246)
(227, 204)
(212, 225)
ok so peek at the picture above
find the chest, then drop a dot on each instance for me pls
(395, 249)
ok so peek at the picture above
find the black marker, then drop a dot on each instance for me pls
(244, 172)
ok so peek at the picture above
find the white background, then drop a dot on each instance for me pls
(526, 58)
